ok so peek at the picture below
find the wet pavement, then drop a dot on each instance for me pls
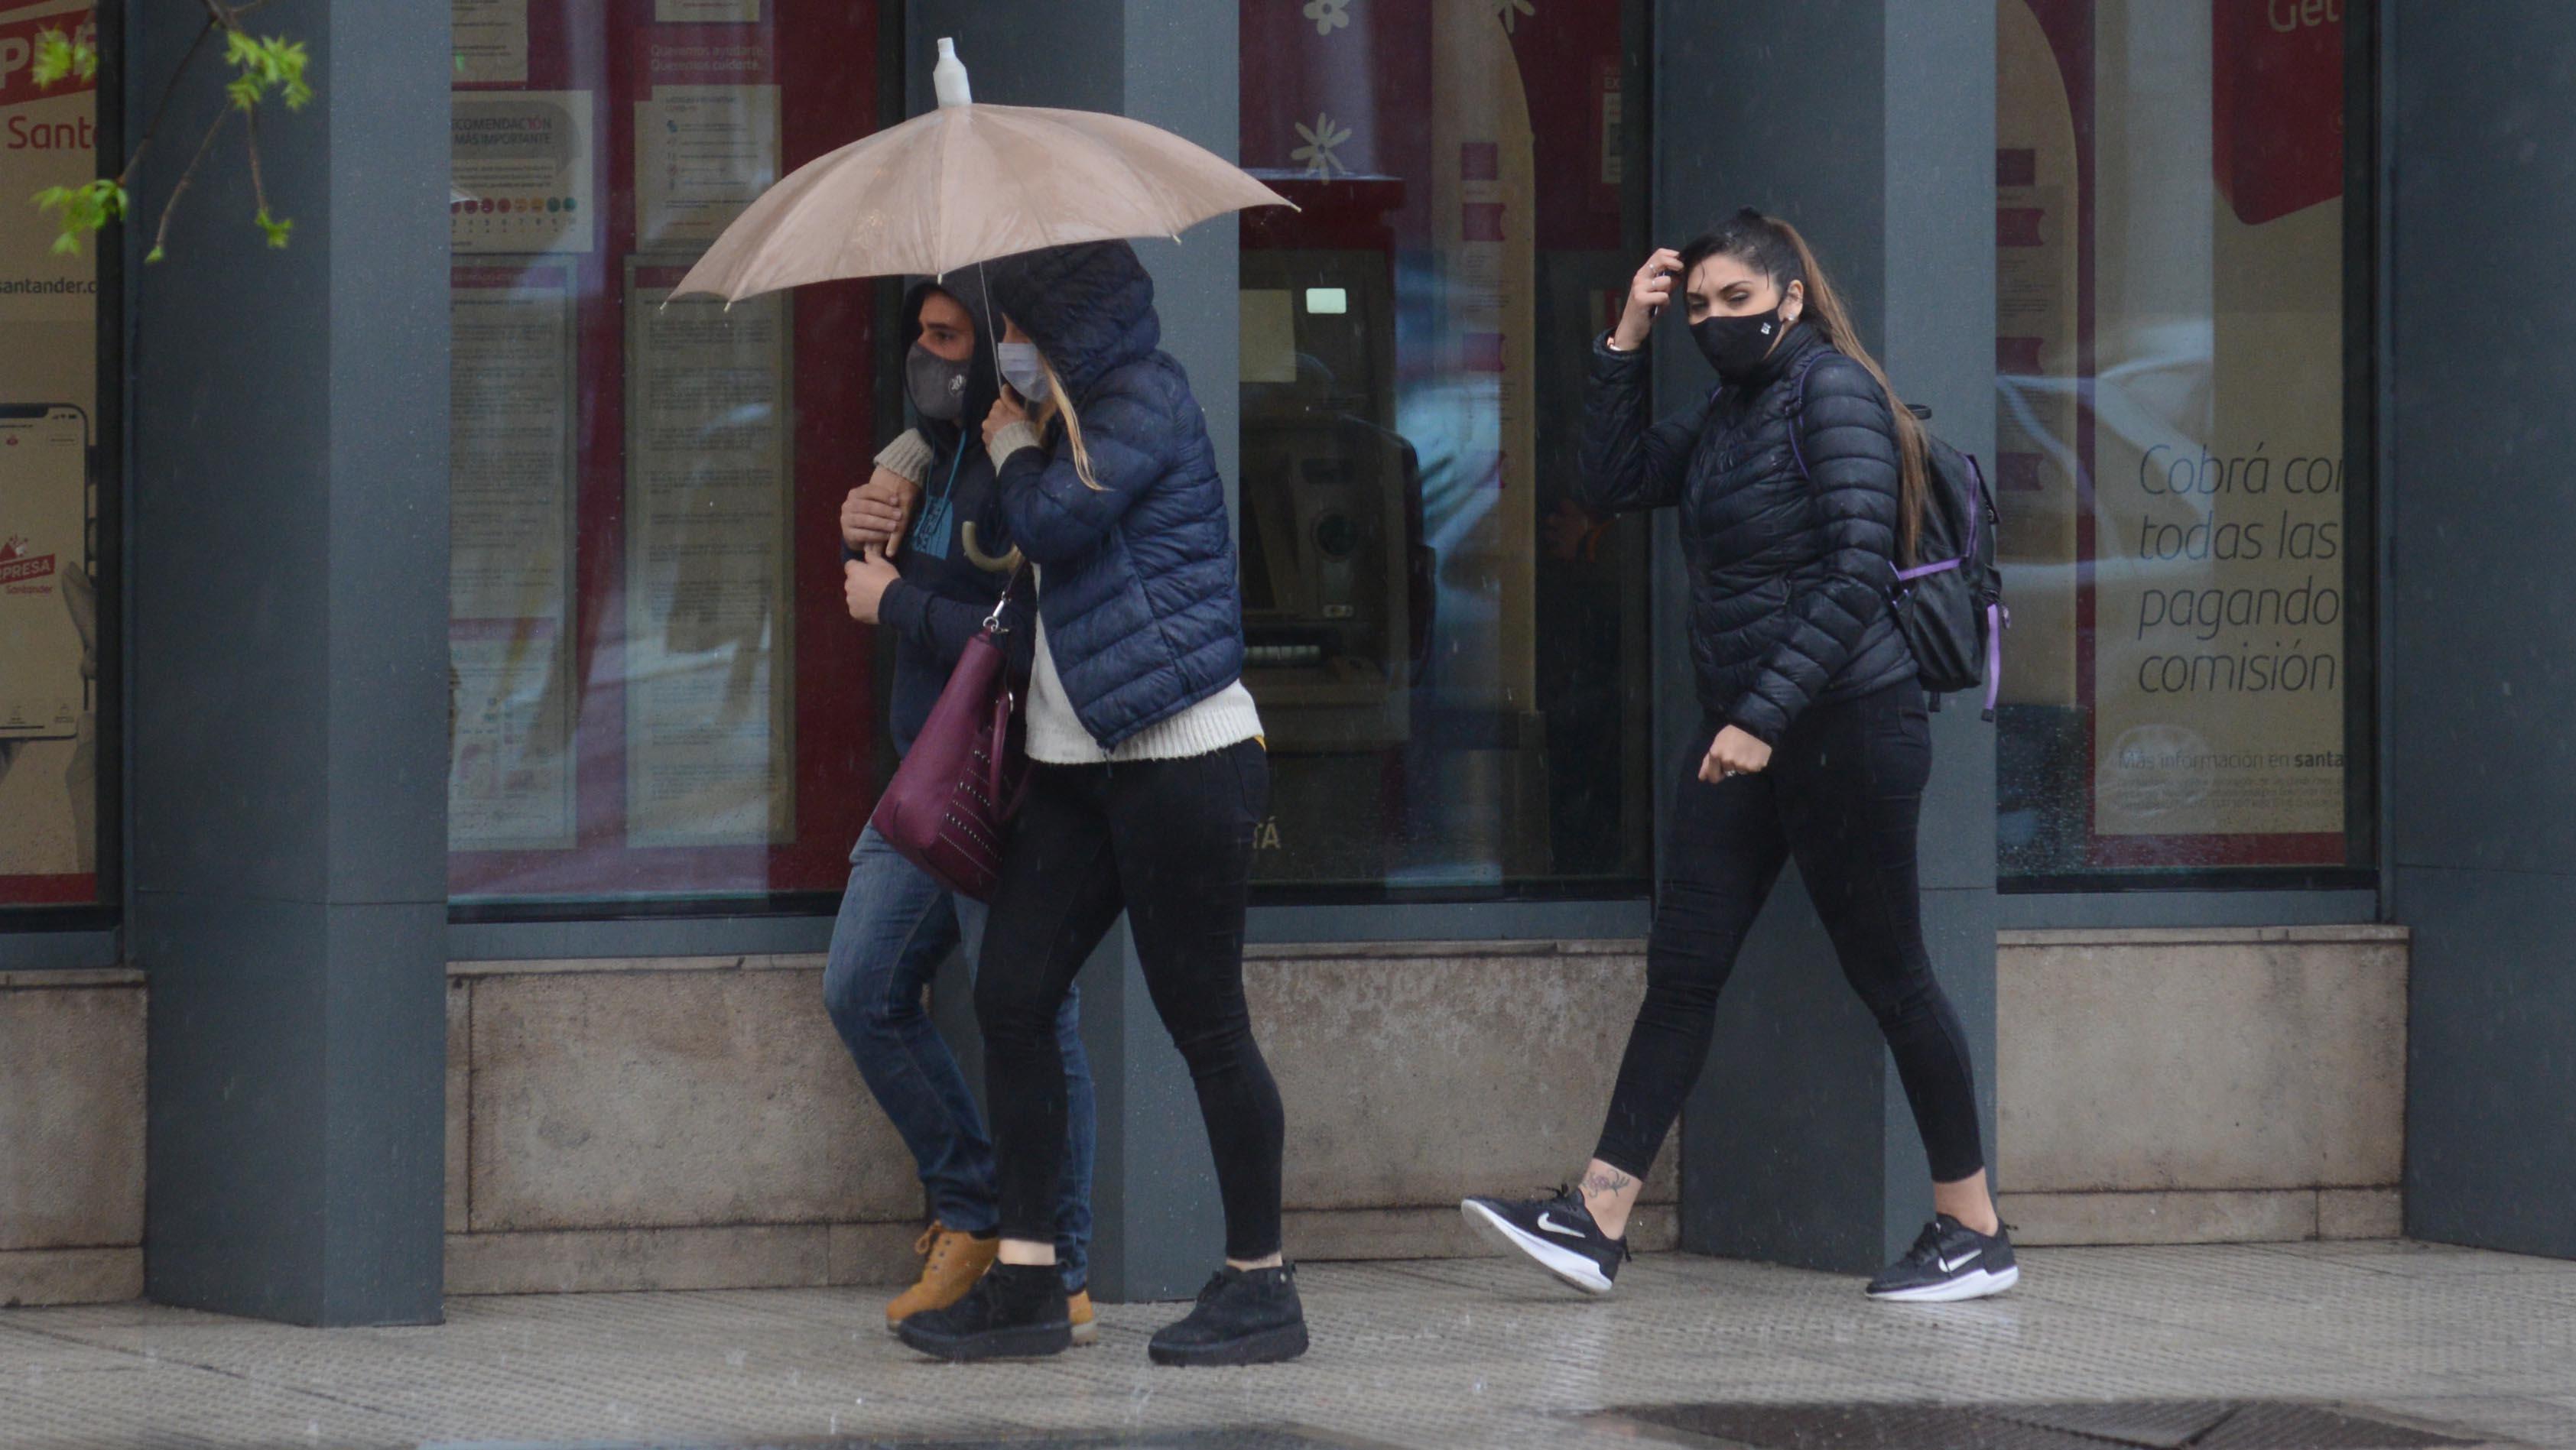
(2396, 1344)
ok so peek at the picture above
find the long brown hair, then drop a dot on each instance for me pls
(1768, 245)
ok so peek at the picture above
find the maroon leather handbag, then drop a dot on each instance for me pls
(949, 808)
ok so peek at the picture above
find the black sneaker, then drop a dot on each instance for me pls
(1557, 1232)
(1244, 1316)
(1016, 1311)
(1949, 1261)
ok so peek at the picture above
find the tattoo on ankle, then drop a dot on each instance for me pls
(1607, 1182)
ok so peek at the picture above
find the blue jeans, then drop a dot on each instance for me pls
(896, 926)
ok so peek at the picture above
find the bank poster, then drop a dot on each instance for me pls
(48, 564)
(710, 745)
(706, 136)
(491, 40)
(521, 176)
(2169, 345)
(513, 398)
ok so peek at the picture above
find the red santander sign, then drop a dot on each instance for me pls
(18, 64)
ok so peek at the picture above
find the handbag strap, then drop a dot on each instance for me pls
(993, 624)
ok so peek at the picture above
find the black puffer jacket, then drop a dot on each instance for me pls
(1790, 567)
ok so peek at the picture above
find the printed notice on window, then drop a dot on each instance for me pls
(708, 12)
(491, 42)
(702, 154)
(710, 748)
(520, 176)
(512, 395)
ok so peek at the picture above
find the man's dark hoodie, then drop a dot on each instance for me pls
(943, 597)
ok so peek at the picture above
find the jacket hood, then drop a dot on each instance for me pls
(1089, 308)
(983, 383)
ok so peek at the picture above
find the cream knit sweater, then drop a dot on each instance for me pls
(1056, 734)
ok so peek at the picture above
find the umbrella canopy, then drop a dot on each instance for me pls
(967, 184)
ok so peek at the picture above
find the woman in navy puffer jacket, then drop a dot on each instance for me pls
(1149, 780)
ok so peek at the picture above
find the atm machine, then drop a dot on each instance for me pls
(1325, 490)
(1336, 583)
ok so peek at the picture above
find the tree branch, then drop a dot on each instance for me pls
(170, 208)
(258, 184)
(161, 110)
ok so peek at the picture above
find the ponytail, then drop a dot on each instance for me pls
(1772, 246)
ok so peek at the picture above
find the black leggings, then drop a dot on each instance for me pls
(1841, 795)
(1170, 843)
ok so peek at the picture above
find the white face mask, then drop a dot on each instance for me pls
(1019, 366)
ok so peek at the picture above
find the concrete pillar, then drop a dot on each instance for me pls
(1158, 1227)
(1871, 126)
(2482, 843)
(289, 708)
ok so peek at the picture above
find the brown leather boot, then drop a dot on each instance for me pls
(953, 1262)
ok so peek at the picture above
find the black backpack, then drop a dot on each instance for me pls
(1950, 604)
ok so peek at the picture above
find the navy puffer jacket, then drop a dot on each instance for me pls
(1791, 563)
(1143, 615)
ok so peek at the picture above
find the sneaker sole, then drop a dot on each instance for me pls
(1039, 1342)
(1565, 1264)
(1086, 1335)
(1269, 1346)
(1978, 1285)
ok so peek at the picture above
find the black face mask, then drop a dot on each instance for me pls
(1736, 346)
(938, 386)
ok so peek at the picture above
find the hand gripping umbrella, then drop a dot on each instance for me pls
(967, 184)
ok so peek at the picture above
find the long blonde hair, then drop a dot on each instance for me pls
(1771, 246)
(1058, 405)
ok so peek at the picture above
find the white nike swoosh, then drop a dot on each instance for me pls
(1552, 1226)
(1948, 1267)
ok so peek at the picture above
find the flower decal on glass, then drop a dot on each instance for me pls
(1317, 153)
(1512, 10)
(1328, 15)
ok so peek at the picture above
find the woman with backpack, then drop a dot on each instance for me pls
(1801, 484)
(1147, 781)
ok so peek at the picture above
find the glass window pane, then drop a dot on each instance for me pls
(52, 554)
(2171, 307)
(1450, 657)
(658, 694)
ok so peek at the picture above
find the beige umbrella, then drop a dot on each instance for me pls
(966, 184)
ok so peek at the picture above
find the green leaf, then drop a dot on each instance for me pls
(54, 57)
(276, 228)
(155, 255)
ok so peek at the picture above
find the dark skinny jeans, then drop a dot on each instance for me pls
(1169, 842)
(1841, 797)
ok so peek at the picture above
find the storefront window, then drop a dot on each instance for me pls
(1450, 656)
(56, 559)
(2183, 542)
(658, 696)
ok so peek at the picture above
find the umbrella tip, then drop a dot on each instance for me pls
(948, 77)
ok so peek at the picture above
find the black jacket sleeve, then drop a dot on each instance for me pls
(1846, 442)
(1630, 463)
(941, 626)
